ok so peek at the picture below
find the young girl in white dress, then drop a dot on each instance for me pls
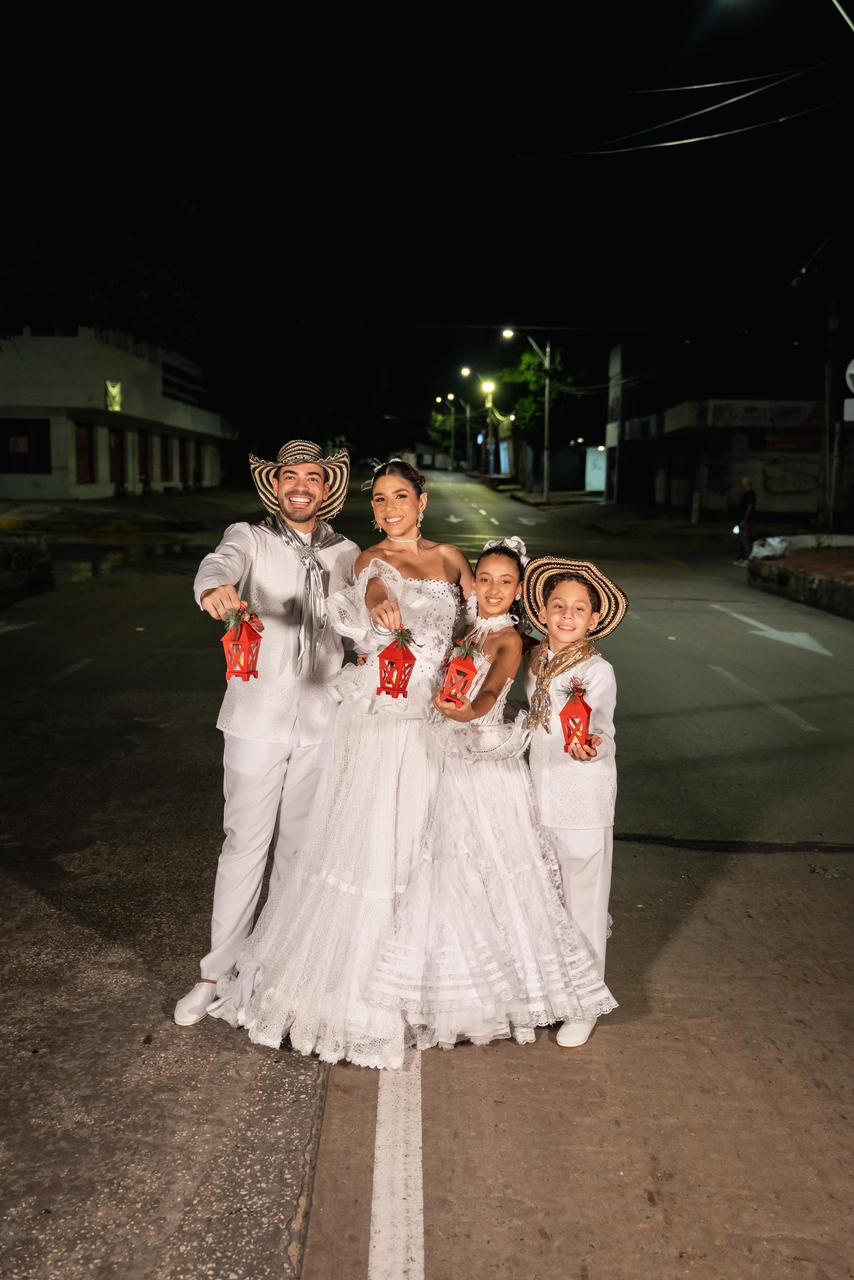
(304, 970)
(482, 946)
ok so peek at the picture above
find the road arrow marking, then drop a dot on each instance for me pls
(797, 639)
(454, 519)
(528, 520)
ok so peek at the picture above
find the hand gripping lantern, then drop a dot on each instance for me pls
(575, 716)
(397, 662)
(241, 643)
(460, 674)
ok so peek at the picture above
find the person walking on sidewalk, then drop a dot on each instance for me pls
(277, 728)
(576, 791)
(744, 519)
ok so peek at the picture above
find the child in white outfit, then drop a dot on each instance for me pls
(575, 604)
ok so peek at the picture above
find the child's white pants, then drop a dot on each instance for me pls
(585, 858)
(269, 788)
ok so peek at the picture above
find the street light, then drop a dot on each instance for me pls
(546, 358)
(465, 371)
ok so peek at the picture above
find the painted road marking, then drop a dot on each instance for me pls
(798, 639)
(454, 519)
(481, 511)
(529, 520)
(6, 627)
(68, 671)
(494, 521)
(397, 1207)
(779, 710)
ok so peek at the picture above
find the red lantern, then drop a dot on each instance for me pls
(575, 717)
(460, 675)
(397, 663)
(241, 643)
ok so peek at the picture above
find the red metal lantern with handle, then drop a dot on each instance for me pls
(460, 674)
(397, 662)
(575, 716)
(242, 644)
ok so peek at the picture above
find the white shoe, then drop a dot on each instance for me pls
(572, 1035)
(195, 1004)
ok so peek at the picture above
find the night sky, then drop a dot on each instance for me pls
(335, 215)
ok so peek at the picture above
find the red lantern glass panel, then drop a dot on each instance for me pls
(575, 719)
(397, 662)
(242, 644)
(459, 678)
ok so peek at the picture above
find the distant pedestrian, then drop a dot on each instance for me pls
(576, 605)
(743, 528)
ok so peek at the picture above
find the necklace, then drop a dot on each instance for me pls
(391, 538)
(482, 627)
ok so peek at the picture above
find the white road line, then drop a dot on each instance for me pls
(7, 627)
(783, 712)
(494, 521)
(397, 1207)
(68, 671)
(798, 639)
(481, 511)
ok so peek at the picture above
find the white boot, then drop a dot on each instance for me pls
(572, 1035)
(194, 1005)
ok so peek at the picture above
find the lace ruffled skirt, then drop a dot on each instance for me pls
(482, 946)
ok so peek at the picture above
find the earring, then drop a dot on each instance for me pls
(376, 526)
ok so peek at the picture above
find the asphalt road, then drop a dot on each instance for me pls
(699, 1133)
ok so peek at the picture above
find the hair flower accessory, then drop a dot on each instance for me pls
(514, 543)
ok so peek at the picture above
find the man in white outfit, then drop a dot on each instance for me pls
(277, 727)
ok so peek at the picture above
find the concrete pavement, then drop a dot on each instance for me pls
(701, 1131)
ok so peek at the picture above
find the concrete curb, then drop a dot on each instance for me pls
(781, 578)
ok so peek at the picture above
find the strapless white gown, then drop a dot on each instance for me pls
(303, 971)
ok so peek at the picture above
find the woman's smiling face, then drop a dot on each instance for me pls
(397, 506)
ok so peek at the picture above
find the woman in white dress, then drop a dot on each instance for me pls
(304, 970)
(482, 946)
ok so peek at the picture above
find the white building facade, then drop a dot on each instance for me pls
(94, 414)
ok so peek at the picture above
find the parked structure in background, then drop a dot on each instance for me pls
(693, 454)
(91, 414)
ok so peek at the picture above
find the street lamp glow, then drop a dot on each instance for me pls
(465, 371)
(508, 334)
(581, 439)
(512, 417)
(600, 448)
(438, 399)
(449, 396)
(487, 388)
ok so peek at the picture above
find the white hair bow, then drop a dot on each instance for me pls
(514, 543)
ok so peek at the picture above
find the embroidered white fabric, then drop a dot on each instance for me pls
(482, 947)
(304, 970)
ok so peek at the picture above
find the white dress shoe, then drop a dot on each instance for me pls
(572, 1035)
(194, 1005)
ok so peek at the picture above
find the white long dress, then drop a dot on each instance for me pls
(303, 971)
(482, 946)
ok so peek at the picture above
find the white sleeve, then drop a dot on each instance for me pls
(227, 565)
(601, 697)
(349, 613)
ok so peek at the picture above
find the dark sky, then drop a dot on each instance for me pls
(335, 213)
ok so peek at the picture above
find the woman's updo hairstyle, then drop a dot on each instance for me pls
(397, 467)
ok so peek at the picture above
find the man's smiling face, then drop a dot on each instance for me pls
(300, 489)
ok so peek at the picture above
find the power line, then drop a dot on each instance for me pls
(713, 84)
(705, 137)
(716, 106)
(844, 14)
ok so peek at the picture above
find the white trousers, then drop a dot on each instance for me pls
(585, 858)
(269, 788)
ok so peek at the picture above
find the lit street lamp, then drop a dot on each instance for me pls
(546, 358)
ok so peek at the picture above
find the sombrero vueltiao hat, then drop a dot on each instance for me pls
(540, 571)
(337, 470)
